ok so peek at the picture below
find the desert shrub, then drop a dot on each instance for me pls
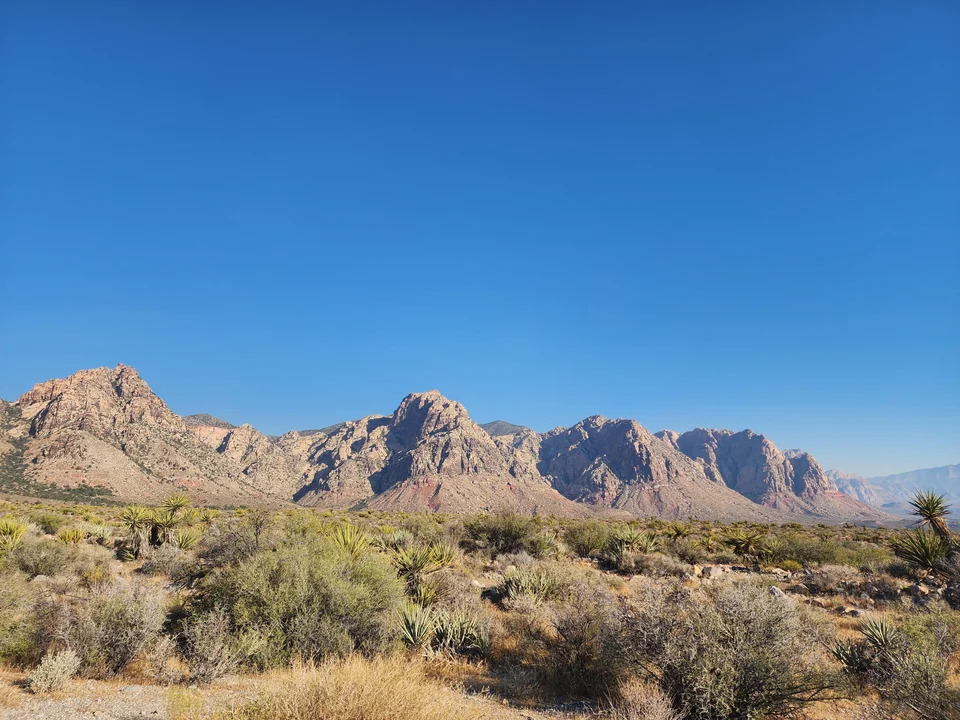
(907, 663)
(790, 565)
(167, 560)
(539, 582)
(307, 601)
(233, 539)
(688, 551)
(42, 556)
(587, 538)
(652, 564)
(728, 651)
(18, 621)
(507, 532)
(809, 550)
(637, 700)
(48, 522)
(577, 649)
(209, 646)
(356, 688)
(53, 672)
(109, 626)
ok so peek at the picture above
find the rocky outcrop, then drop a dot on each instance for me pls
(106, 429)
(428, 454)
(753, 466)
(619, 464)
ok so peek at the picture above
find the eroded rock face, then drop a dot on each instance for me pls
(106, 428)
(753, 466)
(428, 454)
(619, 464)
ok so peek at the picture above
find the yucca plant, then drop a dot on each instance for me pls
(922, 549)
(136, 519)
(676, 531)
(101, 533)
(71, 535)
(932, 509)
(416, 624)
(186, 538)
(350, 538)
(12, 531)
(461, 633)
(745, 542)
(879, 632)
(394, 539)
(415, 563)
(533, 582)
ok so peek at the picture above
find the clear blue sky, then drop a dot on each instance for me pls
(692, 214)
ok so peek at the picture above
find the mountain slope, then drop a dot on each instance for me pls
(753, 466)
(105, 431)
(619, 464)
(428, 455)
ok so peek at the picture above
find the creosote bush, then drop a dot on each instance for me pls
(306, 601)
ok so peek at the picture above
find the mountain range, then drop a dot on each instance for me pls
(105, 432)
(892, 493)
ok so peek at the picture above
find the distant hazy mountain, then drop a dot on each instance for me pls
(105, 431)
(893, 492)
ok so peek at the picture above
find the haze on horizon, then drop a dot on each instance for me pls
(738, 217)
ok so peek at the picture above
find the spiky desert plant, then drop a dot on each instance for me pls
(744, 542)
(676, 531)
(186, 538)
(71, 536)
(176, 504)
(350, 538)
(460, 632)
(416, 624)
(932, 509)
(393, 539)
(415, 563)
(922, 549)
(136, 519)
(12, 531)
(879, 632)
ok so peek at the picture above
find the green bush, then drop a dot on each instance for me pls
(508, 533)
(309, 601)
(588, 538)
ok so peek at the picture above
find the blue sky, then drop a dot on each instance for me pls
(692, 214)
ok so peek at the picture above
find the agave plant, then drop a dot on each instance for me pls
(879, 632)
(922, 549)
(394, 539)
(460, 632)
(12, 531)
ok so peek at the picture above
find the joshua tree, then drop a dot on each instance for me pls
(136, 519)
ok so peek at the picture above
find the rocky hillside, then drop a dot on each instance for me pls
(104, 431)
(752, 465)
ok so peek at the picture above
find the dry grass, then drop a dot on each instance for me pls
(11, 692)
(388, 688)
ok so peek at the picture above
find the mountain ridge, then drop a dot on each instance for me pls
(104, 428)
